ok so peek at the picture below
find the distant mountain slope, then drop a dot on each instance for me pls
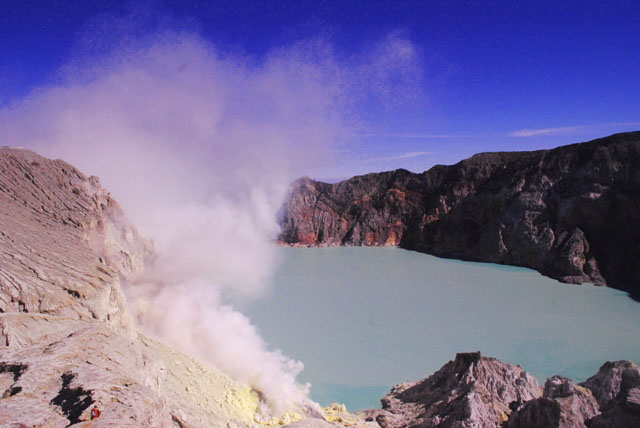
(571, 213)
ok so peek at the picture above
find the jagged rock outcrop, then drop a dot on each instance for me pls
(571, 213)
(607, 383)
(616, 386)
(609, 399)
(470, 391)
(476, 391)
(563, 405)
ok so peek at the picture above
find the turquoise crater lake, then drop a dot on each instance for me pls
(364, 319)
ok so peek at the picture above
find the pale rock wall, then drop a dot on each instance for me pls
(64, 243)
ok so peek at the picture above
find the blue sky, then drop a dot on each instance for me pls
(491, 75)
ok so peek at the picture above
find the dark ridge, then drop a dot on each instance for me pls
(72, 401)
(571, 213)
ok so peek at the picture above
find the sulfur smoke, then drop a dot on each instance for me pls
(199, 147)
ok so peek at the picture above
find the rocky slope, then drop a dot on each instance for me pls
(66, 339)
(571, 213)
(63, 245)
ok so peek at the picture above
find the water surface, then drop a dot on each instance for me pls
(364, 319)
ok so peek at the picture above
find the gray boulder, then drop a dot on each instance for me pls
(563, 405)
(606, 384)
(617, 385)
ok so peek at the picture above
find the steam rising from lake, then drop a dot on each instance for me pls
(199, 148)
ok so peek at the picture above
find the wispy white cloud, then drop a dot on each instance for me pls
(626, 124)
(411, 136)
(406, 155)
(524, 132)
(572, 130)
(564, 130)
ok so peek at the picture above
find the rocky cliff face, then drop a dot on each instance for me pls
(571, 213)
(64, 244)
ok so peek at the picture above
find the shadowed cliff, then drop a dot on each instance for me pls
(570, 213)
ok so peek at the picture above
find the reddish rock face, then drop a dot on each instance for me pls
(572, 213)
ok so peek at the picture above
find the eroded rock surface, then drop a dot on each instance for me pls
(134, 381)
(475, 391)
(563, 405)
(470, 391)
(616, 386)
(64, 244)
(572, 213)
(607, 383)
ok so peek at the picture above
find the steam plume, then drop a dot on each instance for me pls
(199, 148)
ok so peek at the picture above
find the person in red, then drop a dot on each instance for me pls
(95, 412)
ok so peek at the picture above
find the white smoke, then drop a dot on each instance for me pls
(199, 148)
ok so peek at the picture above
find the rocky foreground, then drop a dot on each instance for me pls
(473, 391)
(67, 343)
(571, 213)
(476, 391)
